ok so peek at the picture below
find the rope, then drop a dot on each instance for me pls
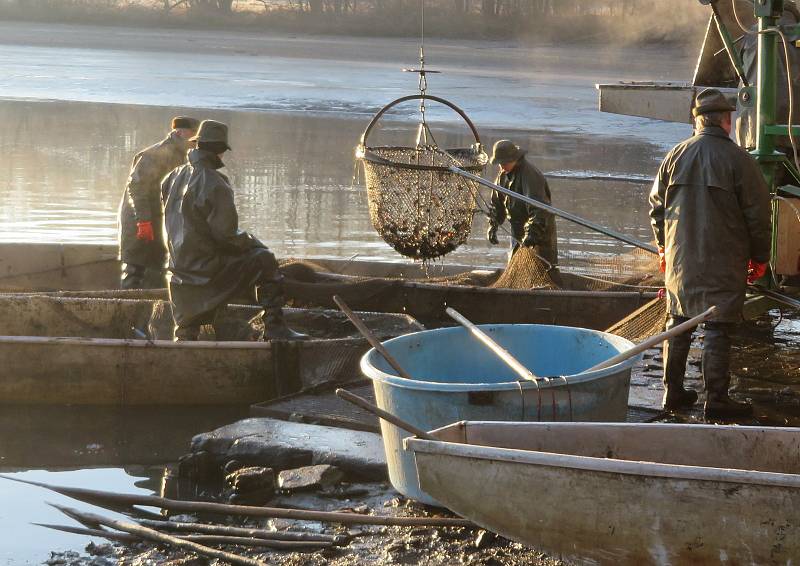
(738, 21)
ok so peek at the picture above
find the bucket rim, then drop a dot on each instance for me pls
(380, 376)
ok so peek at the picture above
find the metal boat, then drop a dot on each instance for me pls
(623, 493)
(375, 286)
(62, 350)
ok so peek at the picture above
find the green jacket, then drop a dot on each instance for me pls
(527, 221)
(208, 253)
(710, 210)
(141, 201)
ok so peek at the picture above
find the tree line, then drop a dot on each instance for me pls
(515, 8)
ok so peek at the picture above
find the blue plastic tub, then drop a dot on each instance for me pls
(457, 378)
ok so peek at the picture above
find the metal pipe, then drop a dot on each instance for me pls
(557, 211)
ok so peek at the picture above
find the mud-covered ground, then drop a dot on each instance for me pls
(369, 544)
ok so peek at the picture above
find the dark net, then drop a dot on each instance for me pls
(416, 204)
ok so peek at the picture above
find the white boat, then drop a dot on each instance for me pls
(623, 493)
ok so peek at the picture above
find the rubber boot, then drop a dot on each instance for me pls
(676, 353)
(716, 374)
(187, 333)
(270, 296)
(132, 276)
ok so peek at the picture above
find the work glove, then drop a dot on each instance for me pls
(491, 234)
(144, 231)
(755, 271)
(662, 260)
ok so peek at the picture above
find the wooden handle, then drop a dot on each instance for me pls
(366, 333)
(655, 340)
(501, 352)
(388, 417)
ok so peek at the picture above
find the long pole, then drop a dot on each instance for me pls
(557, 211)
(371, 338)
(498, 350)
(654, 341)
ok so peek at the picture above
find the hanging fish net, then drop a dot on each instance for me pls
(417, 205)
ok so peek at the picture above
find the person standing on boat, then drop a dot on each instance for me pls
(141, 241)
(211, 260)
(530, 226)
(710, 212)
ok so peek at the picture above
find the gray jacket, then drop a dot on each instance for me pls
(208, 253)
(710, 210)
(141, 201)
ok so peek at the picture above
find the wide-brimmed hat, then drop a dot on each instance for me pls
(185, 122)
(506, 151)
(212, 131)
(711, 100)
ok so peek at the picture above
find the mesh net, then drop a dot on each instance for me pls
(635, 270)
(416, 204)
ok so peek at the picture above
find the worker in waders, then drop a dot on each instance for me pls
(531, 227)
(211, 260)
(141, 239)
(710, 211)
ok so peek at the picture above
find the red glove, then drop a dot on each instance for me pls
(662, 293)
(662, 260)
(144, 231)
(755, 271)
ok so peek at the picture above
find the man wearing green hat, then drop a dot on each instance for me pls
(141, 240)
(530, 226)
(211, 260)
(710, 212)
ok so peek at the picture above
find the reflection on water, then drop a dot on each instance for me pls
(23, 543)
(105, 448)
(65, 165)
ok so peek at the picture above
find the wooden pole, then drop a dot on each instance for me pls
(367, 333)
(388, 417)
(152, 535)
(498, 350)
(95, 497)
(339, 540)
(297, 546)
(655, 340)
(108, 535)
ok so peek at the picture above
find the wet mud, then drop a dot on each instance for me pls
(367, 545)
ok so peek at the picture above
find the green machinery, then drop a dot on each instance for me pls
(673, 101)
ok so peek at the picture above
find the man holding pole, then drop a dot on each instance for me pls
(530, 226)
(710, 212)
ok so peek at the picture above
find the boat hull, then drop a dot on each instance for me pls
(89, 267)
(73, 351)
(594, 510)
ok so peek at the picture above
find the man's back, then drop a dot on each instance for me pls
(711, 211)
(201, 221)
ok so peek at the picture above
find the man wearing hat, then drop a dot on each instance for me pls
(530, 226)
(211, 260)
(141, 240)
(710, 212)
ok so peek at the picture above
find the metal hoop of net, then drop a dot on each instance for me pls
(417, 205)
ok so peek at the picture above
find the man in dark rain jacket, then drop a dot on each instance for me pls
(141, 240)
(710, 211)
(210, 259)
(530, 226)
